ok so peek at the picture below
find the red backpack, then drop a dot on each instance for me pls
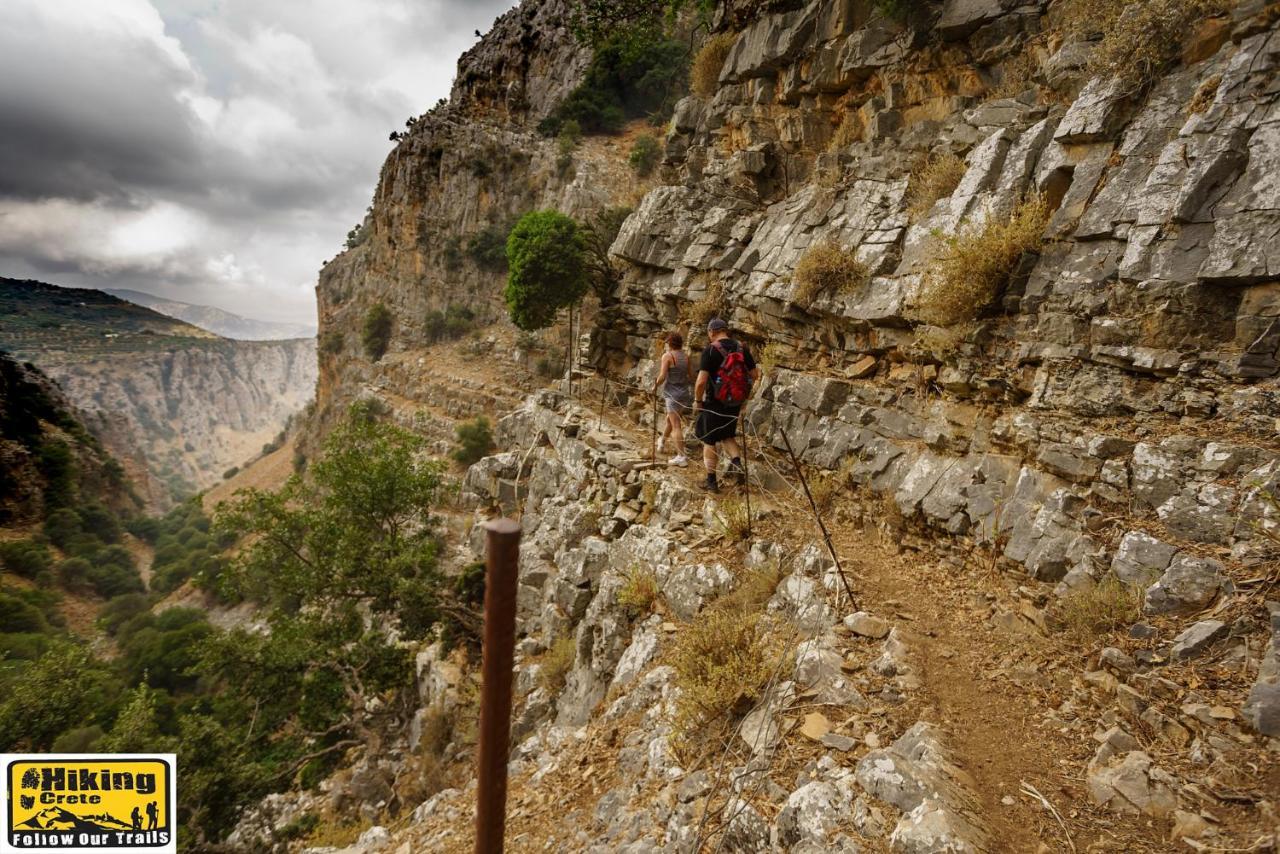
(732, 383)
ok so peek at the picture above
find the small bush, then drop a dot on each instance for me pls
(712, 304)
(556, 663)
(231, 472)
(1099, 608)
(753, 590)
(639, 592)
(935, 178)
(644, 155)
(722, 661)
(475, 440)
(331, 341)
(825, 268)
(704, 76)
(1140, 38)
(449, 325)
(74, 573)
(376, 335)
(733, 519)
(487, 248)
(847, 132)
(26, 558)
(974, 267)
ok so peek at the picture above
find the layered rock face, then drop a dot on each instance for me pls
(190, 412)
(1128, 369)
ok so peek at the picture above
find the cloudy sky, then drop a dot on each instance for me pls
(213, 151)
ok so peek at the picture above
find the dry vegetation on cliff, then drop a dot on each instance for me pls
(827, 269)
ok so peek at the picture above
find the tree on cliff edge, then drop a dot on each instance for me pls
(547, 268)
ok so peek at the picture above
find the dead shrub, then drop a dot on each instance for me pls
(1139, 38)
(847, 132)
(722, 661)
(704, 75)
(825, 268)
(1204, 95)
(1018, 74)
(935, 178)
(770, 357)
(698, 314)
(1100, 608)
(556, 663)
(639, 592)
(974, 266)
(755, 587)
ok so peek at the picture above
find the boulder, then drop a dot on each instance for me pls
(1197, 639)
(1189, 585)
(1132, 783)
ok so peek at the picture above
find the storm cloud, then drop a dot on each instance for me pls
(214, 151)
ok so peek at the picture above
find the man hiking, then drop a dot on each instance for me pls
(726, 374)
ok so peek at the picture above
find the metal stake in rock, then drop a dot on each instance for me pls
(502, 559)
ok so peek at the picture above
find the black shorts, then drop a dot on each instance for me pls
(713, 426)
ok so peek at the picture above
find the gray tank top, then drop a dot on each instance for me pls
(677, 384)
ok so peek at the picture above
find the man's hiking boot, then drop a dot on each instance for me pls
(736, 471)
(710, 484)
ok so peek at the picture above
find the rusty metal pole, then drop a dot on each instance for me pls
(813, 505)
(502, 558)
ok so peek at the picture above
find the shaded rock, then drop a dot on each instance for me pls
(1188, 585)
(811, 813)
(1196, 639)
(1133, 784)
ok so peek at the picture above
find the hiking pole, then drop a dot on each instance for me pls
(813, 505)
(746, 472)
(502, 559)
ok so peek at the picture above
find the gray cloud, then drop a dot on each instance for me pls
(208, 150)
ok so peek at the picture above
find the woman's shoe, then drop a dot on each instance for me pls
(680, 460)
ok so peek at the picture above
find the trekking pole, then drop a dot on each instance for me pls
(502, 559)
(813, 505)
(746, 471)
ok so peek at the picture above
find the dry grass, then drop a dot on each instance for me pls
(733, 518)
(639, 593)
(848, 132)
(754, 589)
(1204, 95)
(940, 343)
(697, 314)
(770, 356)
(722, 661)
(1140, 38)
(1100, 608)
(704, 75)
(826, 268)
(935, 178)
(556, 663)
(974, 267)
(1018, 74)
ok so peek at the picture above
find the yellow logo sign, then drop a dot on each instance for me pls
(90, 803)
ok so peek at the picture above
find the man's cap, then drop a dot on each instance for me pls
(716, 324)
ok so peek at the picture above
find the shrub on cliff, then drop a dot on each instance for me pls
(474, 441)
(546, 268)
(825, 268)
(644, 155)
(704, 77)
(487, 247)
(933, 179)
(376, 335)
(627, 78)
(974, 267)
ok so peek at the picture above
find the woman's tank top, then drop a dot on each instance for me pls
(677, 385)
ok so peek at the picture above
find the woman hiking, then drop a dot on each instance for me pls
(675, 373)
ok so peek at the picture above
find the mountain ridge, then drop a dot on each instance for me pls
(216, 320)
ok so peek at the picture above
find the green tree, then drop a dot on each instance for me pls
(334, 557)
(64, 688)
(547, 268)
(376, 334)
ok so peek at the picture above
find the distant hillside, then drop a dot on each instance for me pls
(216, 320)
(151, 387)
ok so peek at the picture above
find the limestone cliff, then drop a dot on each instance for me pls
(1104, 420)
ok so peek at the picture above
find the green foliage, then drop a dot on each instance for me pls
(644, 155)
(331, 342)
(62, 689)
(137, 727)
(19, 616)
(487, 248)
(452, 323)
(598, 21)
(56, 463)
(547, 269)
(376, 333)
(630, 75)
(186, 550)
(162, 649)
(26, 558)
(474, 441)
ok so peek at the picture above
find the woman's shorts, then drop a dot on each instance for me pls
(679, 405)
(713, 427)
